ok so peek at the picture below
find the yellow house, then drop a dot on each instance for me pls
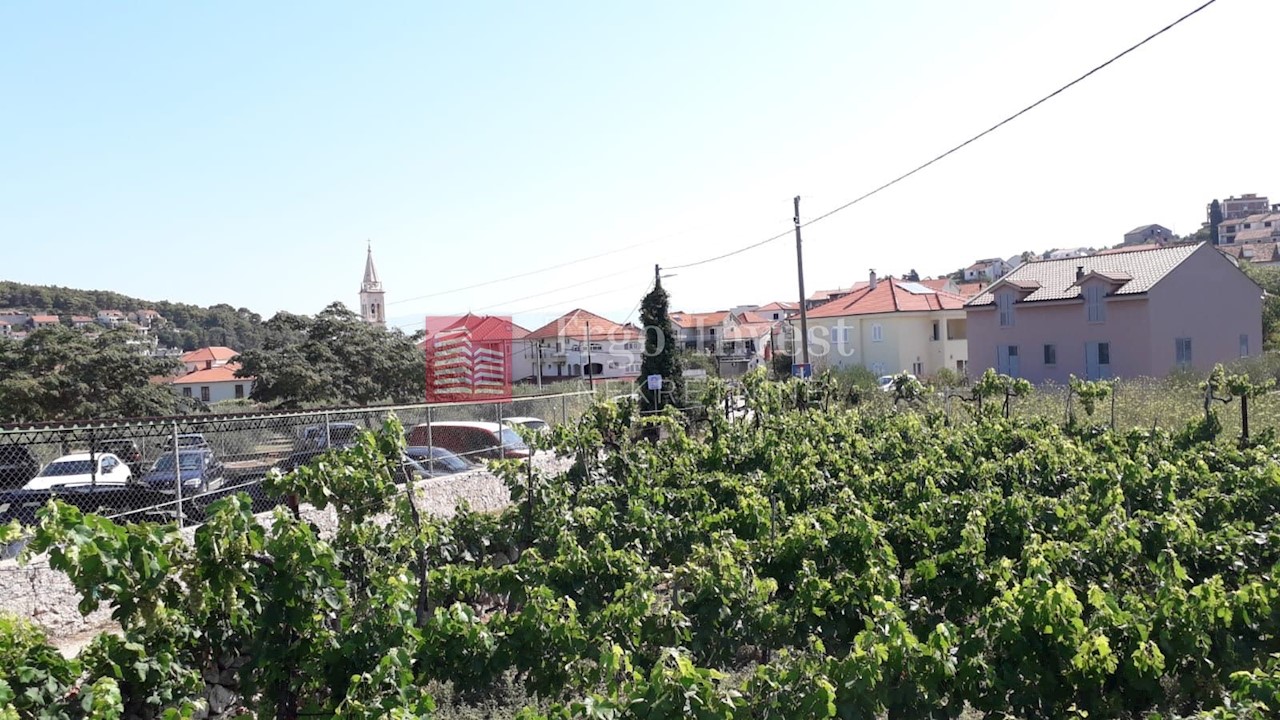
(890, 326)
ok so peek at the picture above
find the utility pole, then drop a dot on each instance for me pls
(804, 315)
(657, 274)
(590, 384)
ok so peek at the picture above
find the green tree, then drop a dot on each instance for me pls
(1215, 219)
(334, 358)
(693, 360)
(1268, 278)
(62, 374)
(660, 352)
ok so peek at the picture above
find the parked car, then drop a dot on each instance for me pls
(198, 469)
(81, 469)
(17, 466)
(410, 467)
(341, 435)
(439, 461)
(531, 423)
(188, 440)
(474, 441)
(125, 449)
(886, 381)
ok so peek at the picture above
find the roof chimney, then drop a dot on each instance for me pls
(1079, 272)
(872, 284)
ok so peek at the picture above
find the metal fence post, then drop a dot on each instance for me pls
(431, 455)
(177, 473)
(564, 409)
(1115, 387)
(328, 438)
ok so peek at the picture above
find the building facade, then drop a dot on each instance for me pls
(890, 326)
(1148, 234)
(213, 385)
(1142, 313)
(581, 344)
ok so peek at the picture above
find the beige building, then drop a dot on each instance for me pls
(890, 326)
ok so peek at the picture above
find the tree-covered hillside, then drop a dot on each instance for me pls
(187, 327)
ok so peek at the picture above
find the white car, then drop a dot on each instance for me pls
(532, 423)
(886, 381)
(78, 469)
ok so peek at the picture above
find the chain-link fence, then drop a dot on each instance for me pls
(1142, 403)
(171, 469)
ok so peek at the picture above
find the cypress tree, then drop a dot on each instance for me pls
(660, 351)
(1215, 219)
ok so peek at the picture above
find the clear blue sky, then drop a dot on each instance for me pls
(244, 152)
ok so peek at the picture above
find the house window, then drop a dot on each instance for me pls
(204, 393)
(186, 392)
(1050, 354)
(1244, 345)
(1004, 301)
(1093, 295)
(1104, 353)
(1182, 352)
(239, 392)
(936, 331)
(917, 368)
(877, 332)
(841, 335)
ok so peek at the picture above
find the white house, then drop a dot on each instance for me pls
(986, 269)
(891, 326)
(581, 344)
(214, 384)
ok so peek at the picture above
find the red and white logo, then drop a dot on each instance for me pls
(468, 358)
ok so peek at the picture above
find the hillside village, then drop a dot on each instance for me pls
(1118, 311)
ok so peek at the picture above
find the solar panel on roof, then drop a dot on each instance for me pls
(915, 288)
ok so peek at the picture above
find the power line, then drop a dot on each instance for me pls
(596, 279)
(565, 302)
(541, 307)
(548, 268)
(527, 273)
(957, 148)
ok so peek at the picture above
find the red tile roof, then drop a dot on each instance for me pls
(824, 295)
(887, 297)
(748, 331)
(484, 328)
(44, 318)
(968, 290)
(222, 373)
(574, 325)
(216, 353)
(705, 319)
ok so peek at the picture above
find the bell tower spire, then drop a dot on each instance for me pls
(372, 307)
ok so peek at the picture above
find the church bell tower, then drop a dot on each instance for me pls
(372, 307)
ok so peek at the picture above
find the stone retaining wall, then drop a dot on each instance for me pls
(47, 597)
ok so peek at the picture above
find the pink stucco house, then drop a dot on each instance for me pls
(1144, 312)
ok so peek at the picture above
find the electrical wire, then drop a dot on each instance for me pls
(953, 150)
(558, 289)
(527, 273)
